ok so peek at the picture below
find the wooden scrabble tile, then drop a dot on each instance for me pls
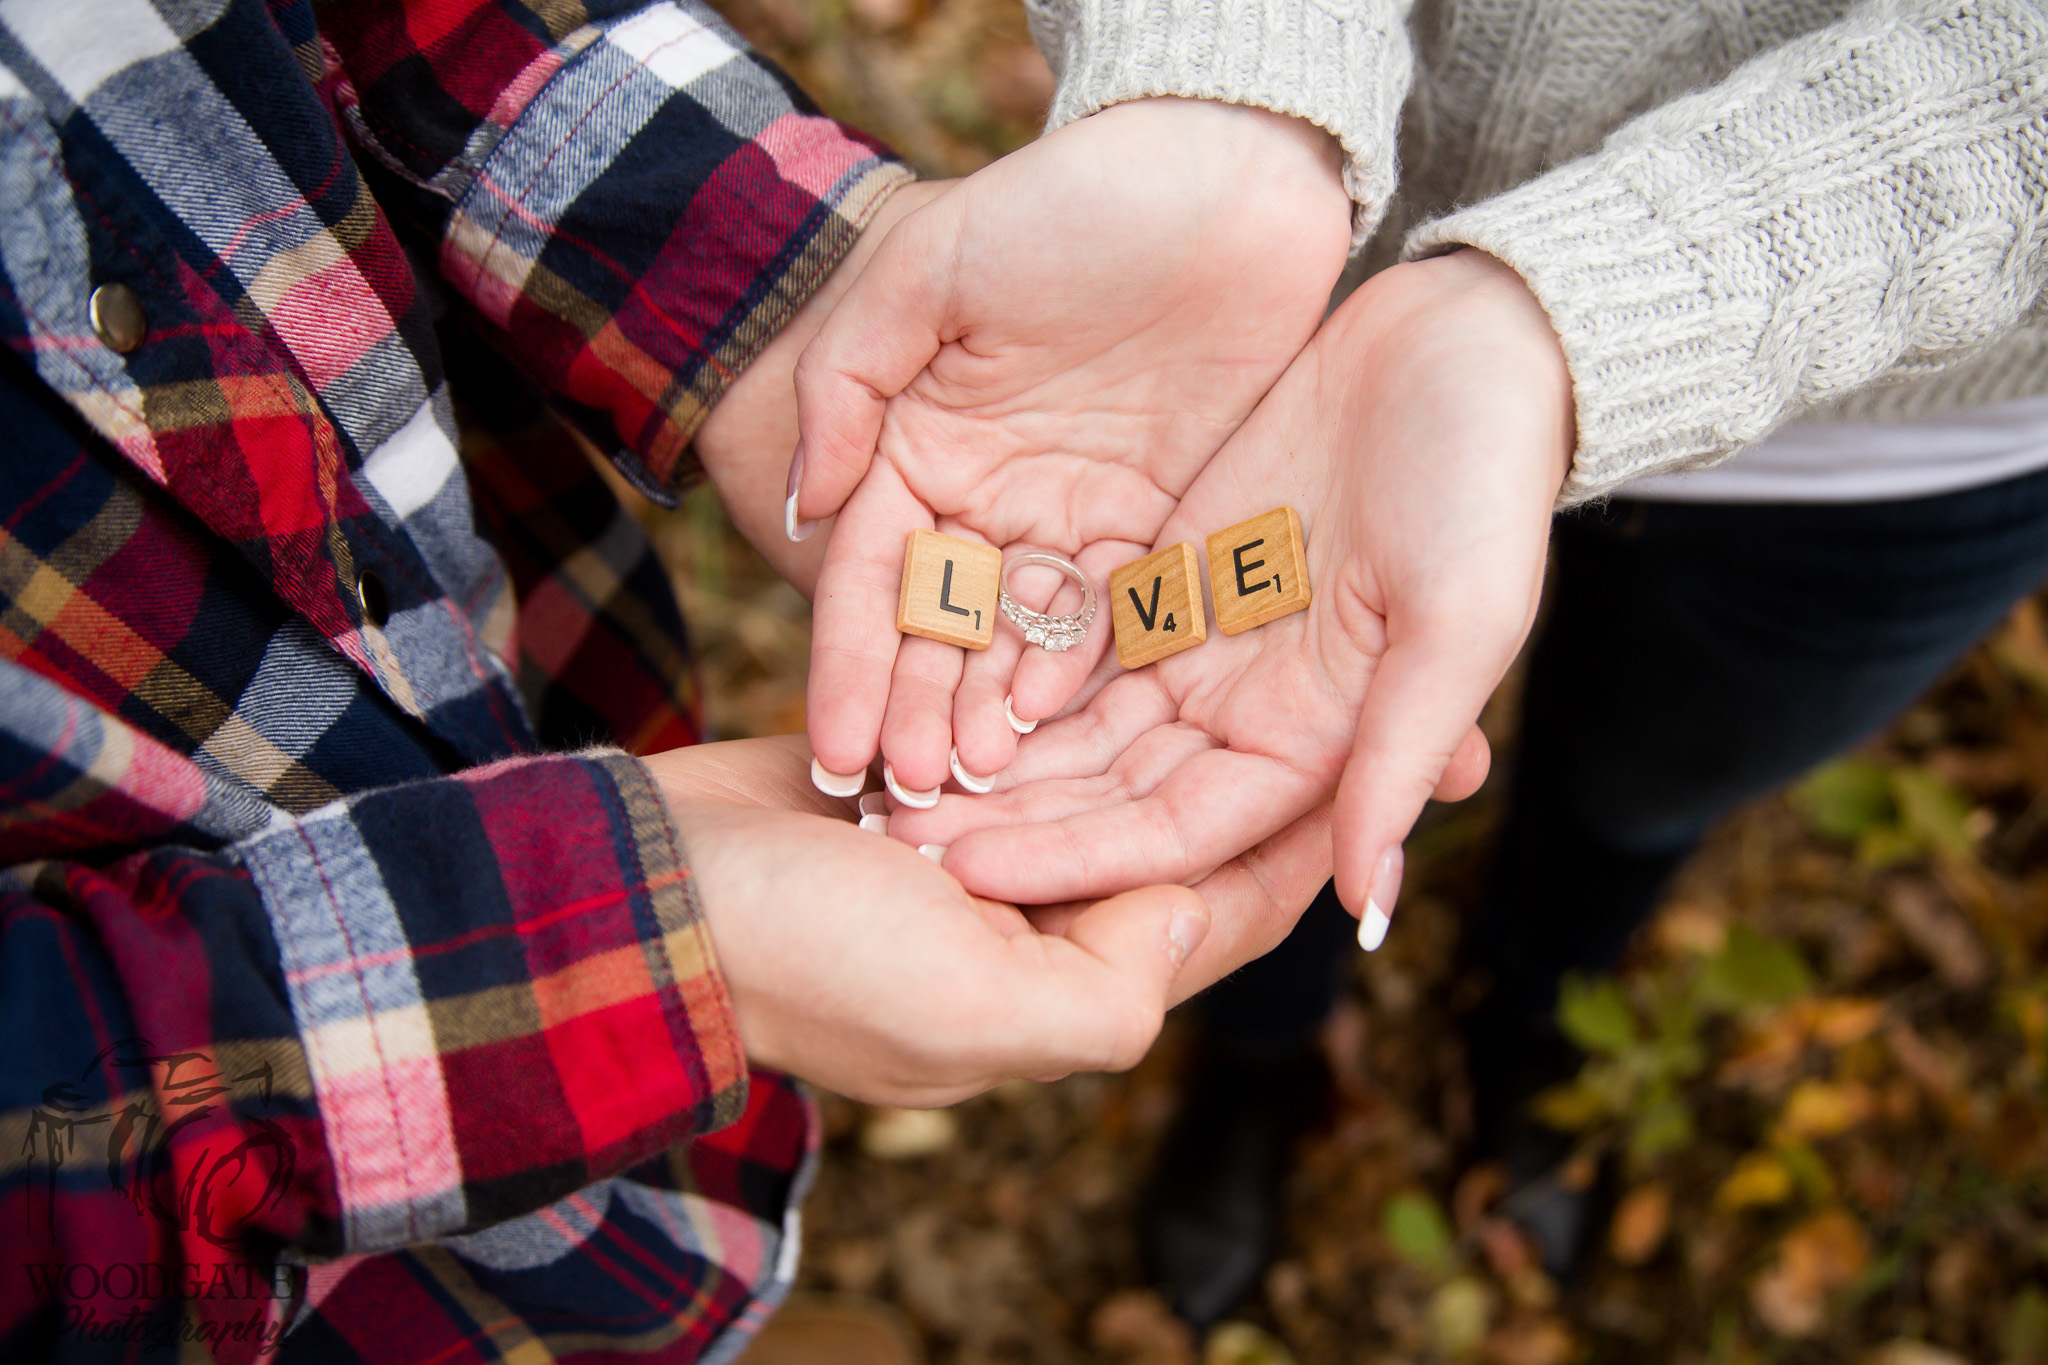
(1156, 603)
(949, 590)
(1258, 570)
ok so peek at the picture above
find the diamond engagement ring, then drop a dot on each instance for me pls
(1056, 633)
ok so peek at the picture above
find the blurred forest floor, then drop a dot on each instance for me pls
(1823, 1074)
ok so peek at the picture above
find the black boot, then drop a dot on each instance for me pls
(1210, 1218)
(1513, 1057)
(1255, 1081)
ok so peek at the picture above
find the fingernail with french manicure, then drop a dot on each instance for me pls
(980, 786)
(1185, 935)
(796, 530)
(1022, 727)
(874, 803)
(837, 784)
(1379, 901)
(875, 824)
(936, 852)
(915, 799)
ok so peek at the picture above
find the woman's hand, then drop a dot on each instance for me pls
(1422, 436)
(742, 441)
(1045, 357)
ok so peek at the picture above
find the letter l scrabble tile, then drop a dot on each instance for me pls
(949, 590)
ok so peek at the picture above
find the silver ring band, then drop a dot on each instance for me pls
(1056, 633)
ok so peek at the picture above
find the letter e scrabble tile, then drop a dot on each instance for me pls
(1258, 570)
(1156, 603)
(949, 590)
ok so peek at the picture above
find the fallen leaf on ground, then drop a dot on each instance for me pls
(1758, 1180)
(1818, 1256)
(1940, 932)
(1823, 1109)
(1459, 1313)
(1640, 1223)
(1843, 1020)
(1240, 1343)
(1907, 1352)
(1531, 1341)
(1135, 1327)
(1692, 927)
(1937, 1073)
(1414, 1226)
(902, 1134)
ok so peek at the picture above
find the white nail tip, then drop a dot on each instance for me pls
(1372, 927)
(797, 531)
(915, 799)
(836, 784)
(875, 824)
(874, 803)
(936, 852)
(1022, 727)
(980, 786)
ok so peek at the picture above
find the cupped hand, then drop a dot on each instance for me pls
(1044, 357)
(856, 963)
(1422, 436)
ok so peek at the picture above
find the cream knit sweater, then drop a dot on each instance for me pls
(1734, 211)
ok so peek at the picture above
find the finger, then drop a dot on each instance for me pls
(1047, 680)
(853, 621)
(1090, 741)
(1468, 767)
(1419, 710)
(883, 331)
(1212, 807)
(1255, 899)
(983, 740)
(917, 728)
(986, 741)
(1101, 993)
(1136, 773)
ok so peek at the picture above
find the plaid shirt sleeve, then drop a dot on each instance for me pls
(631, 199)
(412, 1013)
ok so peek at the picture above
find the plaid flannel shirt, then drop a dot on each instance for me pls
(352, 1009)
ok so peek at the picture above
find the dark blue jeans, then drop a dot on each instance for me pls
(1693, 657)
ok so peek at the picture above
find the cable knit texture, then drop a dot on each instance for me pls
(1341, 64)
(1735, 213)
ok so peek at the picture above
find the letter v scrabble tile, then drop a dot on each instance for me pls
(949, 590)
(1156, 603)
(1258, 570)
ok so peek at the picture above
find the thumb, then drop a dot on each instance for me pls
(1415, 734)
(881, 333)
(1114, 968)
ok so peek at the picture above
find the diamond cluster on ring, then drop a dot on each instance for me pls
(1055, 636)
(1055, 633)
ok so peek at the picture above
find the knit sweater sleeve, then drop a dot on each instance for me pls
(1343, 65)
(1863, 205)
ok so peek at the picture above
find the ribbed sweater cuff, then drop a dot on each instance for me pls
(1342, 66)
(1659, 358)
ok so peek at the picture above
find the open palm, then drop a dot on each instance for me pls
(1422, 436)
(1045, 357)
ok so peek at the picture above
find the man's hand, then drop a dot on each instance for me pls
(1045, 357)
(1422, 436)
(856, 963)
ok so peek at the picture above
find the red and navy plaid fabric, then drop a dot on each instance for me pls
(352, 1012)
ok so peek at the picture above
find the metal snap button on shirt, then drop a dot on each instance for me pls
(375, 601)
(117, 316)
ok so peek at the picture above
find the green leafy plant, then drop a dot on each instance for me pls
(1892, 812)
(1642, 1048)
